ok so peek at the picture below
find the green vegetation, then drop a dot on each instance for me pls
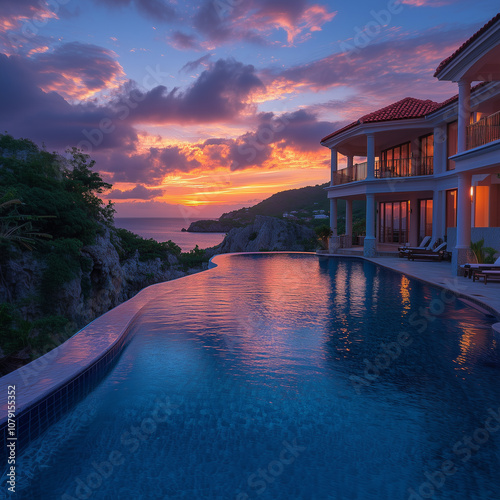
(148, 249)
(194, 258)
(62, 197)
(324, 233)
(484, 255)
(301, 204)
(16, 227)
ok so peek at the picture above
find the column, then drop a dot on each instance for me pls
(440, 156)
(334, 242)
(370, 156)
(334, 164)
(436, 212)
(463, 114)
(414, 209)
(460, 253)
(438, 215)
(463, 210)
(350, 161)
(348, 223)
(370, 245)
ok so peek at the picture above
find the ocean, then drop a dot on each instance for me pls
(169, 228)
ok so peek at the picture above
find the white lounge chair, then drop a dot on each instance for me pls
(471, 268)
(486, 274)
(424, 245)
(437, 253)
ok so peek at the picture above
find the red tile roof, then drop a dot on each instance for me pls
(405, 109)
(402, 110)
(474, 37)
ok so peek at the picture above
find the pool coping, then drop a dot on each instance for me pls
(84, 355)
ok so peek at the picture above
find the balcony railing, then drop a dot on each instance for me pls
(350, 174)
(484, 131)
(403, 167)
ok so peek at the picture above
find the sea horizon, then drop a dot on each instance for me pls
(164, 229)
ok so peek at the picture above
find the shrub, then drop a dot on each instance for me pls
(149, 249)
(193, 258)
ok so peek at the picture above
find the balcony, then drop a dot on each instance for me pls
(403, 167)
(350, 174)
(484, 131)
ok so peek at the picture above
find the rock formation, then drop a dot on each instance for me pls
(269, 234)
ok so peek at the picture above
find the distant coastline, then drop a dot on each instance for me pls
(170, 228)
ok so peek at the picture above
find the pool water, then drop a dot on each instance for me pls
(286, 377)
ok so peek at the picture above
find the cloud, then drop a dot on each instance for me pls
(32, 101)
(139, 192)
(182, 41)
(148, 167)
(153, 9)
(12, 13)
(76, 70)
(380, 73)
(254, 20)
(220, 93)
(193, 65)
(297, 131)
(27, 111)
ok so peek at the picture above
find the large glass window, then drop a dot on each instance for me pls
(396, 162)
(425, 220)
(426, 154)
(452, 143)
(393, 222)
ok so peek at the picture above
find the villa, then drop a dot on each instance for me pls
(427, 168)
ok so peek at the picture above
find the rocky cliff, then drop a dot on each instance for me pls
(269, 234)
(212, 226)
(99, 282)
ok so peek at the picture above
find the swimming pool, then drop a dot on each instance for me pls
(286, 377)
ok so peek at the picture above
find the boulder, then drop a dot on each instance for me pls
(269, 234)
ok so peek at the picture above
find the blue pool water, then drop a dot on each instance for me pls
(286, 377)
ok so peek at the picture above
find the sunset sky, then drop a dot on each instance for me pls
(195, 108)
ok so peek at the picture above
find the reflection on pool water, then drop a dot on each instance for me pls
(286, 377)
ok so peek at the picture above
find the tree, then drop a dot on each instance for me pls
(87, 184)
(16, 227)
(324, 233)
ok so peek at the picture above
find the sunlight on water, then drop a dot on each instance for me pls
(284, 377)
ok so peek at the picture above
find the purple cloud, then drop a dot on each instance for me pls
(182, 41)
(220, 93)
(139, 192)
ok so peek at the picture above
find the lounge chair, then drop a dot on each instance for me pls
(486, 275)
(470, 268)
(424, 245)
(438, 253)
